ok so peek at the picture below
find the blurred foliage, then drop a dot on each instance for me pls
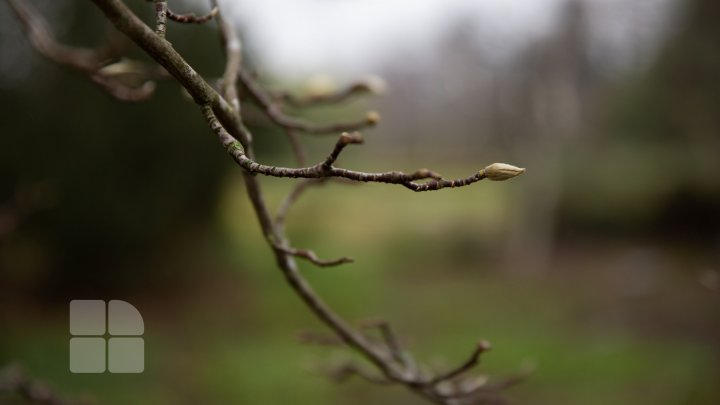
(653, 156)
(121, 180)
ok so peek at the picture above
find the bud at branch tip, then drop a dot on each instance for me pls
(502, 171)
(372, 117)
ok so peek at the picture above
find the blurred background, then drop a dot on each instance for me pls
(599, 266)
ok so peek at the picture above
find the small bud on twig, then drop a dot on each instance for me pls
(348, 138)
(502, 171)
(372, 117)
(320, 86)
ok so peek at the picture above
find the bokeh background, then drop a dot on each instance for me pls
(599, 266)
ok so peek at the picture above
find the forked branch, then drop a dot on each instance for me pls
(224, 116)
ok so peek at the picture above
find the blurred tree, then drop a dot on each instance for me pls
(115, 199)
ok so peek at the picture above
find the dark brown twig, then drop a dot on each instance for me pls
(191, 18)
(310, 256)
(471, 362)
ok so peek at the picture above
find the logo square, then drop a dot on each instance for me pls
(87, 317)
(126, 355)
(87, 355)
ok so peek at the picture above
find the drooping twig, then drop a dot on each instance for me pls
(471, 362)
(87, 61)
(191, 18)
(273, 111)
(371, 85)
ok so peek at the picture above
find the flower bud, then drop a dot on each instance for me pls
(320, 86)
(502, 171)
(372, 117)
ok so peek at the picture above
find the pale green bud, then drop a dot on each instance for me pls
(502, 171)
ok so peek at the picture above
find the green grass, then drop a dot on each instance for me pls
(230, 337)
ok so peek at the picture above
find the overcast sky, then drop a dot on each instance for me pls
(300, 37)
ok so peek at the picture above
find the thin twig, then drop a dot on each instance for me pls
(226, 122)
(191, 18)
(326, 169)
(372, 85)
(233, 57)
(291, 199)
(83, 60)
(161, 14)
(347, 370)
(296, 146)
(390, 339)
(310, 256)
(273, 111)
(471, 362)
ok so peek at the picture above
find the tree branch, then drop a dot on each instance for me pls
(86, 61)
(273, 111)
(471, 362)
(313, 258)
(161, 14)
(222, 113)
(326, 168)
(371, 85)
(191, 18)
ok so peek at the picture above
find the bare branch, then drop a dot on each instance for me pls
(391, 340)
(273, 111)
(83, 60)
(294, 195)
(161, 12)
(347, 370)
(313, 258)
(297, 147)
(222, 113)
(191, 18)
(372, 85)
(233, 55)
(326, 169)
(471, 362)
